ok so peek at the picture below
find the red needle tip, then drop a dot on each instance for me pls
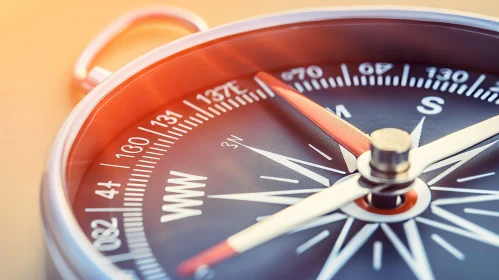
(213, 255)
(344, 133)
(274, 81)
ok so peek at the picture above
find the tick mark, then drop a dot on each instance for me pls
(481, 212)
(280, 179)
(377, 255)
(320, 152)
(447, 246)
(311, 242)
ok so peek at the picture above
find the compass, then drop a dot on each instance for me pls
(327, 144)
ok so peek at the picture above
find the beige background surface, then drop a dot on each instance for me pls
(39, 41)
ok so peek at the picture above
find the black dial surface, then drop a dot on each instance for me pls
(198, 169)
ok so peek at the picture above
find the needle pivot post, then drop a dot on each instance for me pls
(389, 155)
(390, 150)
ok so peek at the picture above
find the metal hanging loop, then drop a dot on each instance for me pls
(85, 79)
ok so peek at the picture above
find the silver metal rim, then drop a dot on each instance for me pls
(62, 230)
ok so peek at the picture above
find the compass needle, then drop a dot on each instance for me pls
(456, 142)
(278, 224)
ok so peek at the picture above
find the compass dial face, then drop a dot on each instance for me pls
(208, 156)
